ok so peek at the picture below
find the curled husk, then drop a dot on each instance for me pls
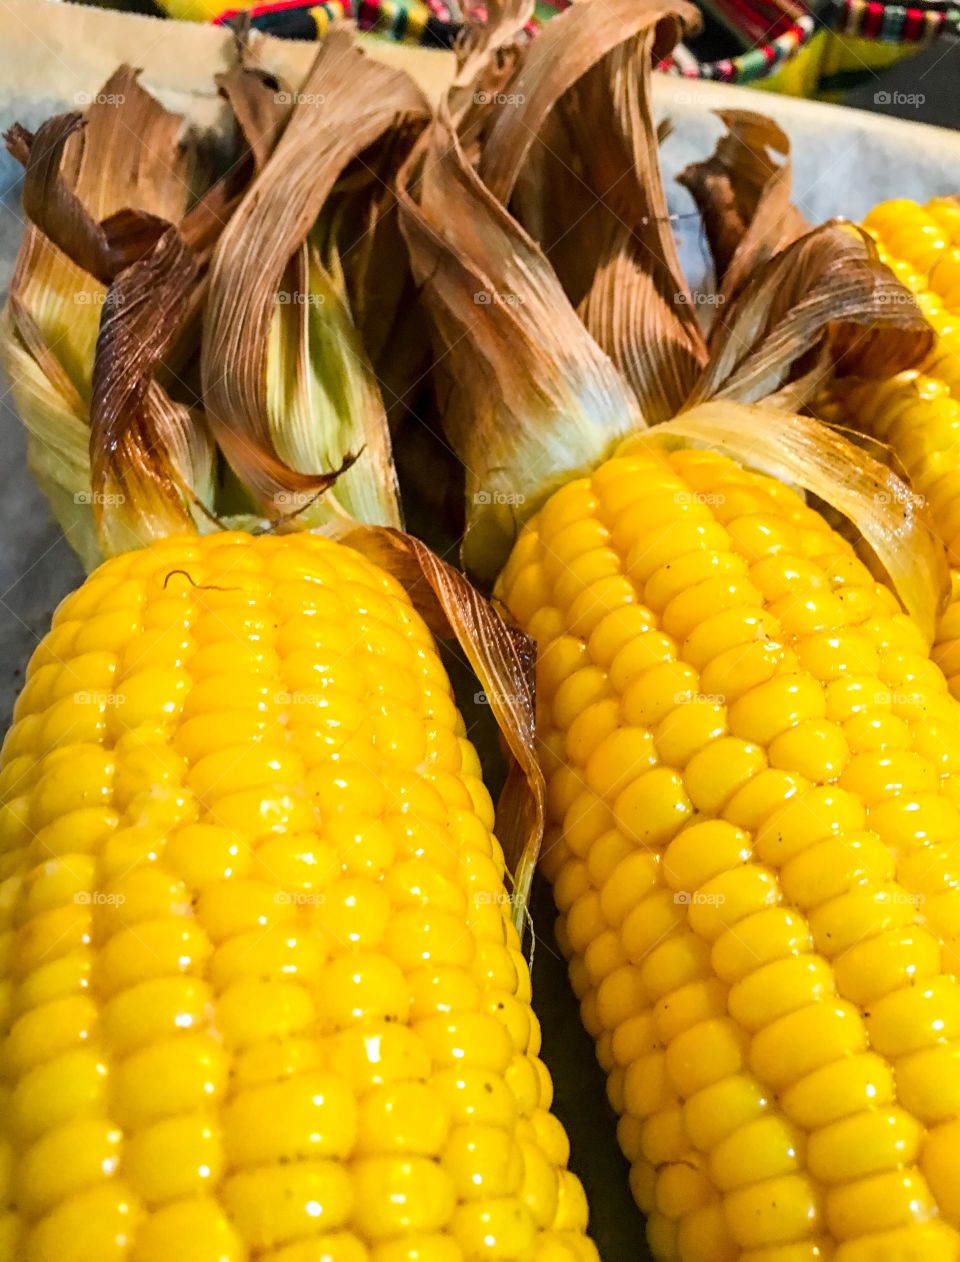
(881, 508)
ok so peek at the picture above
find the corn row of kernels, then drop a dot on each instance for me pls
(917, 414)
(749, 809)
(268, 998)
(926, 238)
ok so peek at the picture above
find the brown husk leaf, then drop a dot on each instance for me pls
(576, 159)
(503, 659)
(743, 195)
(483, 47)
(102, 192)
(535, 397)
(149, 452)
(826, 287)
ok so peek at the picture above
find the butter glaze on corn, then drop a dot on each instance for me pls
(263, 995)
(754, 844)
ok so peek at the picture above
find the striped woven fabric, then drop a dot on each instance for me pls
(895, 23)
(755, 63)
(430, 23)
(770, 32)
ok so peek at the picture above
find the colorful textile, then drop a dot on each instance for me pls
(426, 22)
(786, 46)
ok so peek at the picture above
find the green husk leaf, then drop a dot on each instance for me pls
(57, 423)
(536, 400)
(364, 250)
(502, 658)
(801, 451)
(265, 284)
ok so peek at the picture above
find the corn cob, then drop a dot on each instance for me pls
(916, 414)
(753, 848)
(264, 995)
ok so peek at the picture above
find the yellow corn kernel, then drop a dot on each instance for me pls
(754, 873)
(265, 997)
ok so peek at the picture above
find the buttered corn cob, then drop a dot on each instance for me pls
(917, 414)
(754, 844)
(263, 995)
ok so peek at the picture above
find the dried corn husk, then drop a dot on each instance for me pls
(287, 387)
(812, 299)
(108, 270)
(535, 396)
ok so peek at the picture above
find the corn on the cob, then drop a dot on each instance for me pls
(917, 414)
(264, 997)
(753, 848)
